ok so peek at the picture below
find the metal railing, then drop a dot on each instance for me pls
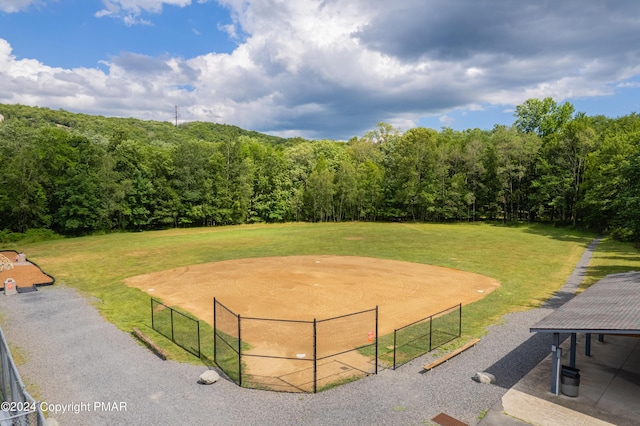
(23, 409)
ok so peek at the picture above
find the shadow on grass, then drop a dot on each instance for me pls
(560, 233)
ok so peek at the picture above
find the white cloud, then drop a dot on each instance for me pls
(137, 6)
(334, 68)
(12, 6)
(130, 10)
(446, 120)
(629, 84)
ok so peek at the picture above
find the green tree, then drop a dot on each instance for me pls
(410, 164)
(77, 192)
(627, 221)
(23, 197)
(272, 187)
(346, 191)
(516, 154)
(193, 182)
(543, 117)
(604, 181)
(370, 181)
(233, 181)
(319, 192)
(474, 157)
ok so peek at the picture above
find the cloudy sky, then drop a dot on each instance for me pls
(320, 68)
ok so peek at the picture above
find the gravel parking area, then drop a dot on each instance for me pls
(78, 362)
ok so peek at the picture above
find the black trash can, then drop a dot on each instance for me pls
(570, 380)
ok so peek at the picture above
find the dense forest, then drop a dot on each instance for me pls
(77, 174)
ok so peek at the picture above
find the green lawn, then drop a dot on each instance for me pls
(531, 261)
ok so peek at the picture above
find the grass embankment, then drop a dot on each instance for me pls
(531, 262)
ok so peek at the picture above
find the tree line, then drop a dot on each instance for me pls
(77, 174)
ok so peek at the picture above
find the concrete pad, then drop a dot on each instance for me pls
(609, 390)
(541, 412)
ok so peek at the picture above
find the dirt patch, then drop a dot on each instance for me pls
(308, 287)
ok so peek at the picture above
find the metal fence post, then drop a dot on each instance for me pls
(171, 312)
(315, 357)
(460, 322)
(199, 350)
(239, 354)
(395, 346)
(152, 323)
(214, 331)
(430, 332)
(377, 341)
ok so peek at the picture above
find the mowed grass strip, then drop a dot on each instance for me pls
(531, 262)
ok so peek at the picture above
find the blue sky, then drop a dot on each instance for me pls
(320, 68)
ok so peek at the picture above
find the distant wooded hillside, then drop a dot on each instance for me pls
(77, 174)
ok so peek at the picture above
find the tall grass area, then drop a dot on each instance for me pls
(531, 262)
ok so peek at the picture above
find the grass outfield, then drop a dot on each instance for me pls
(531, 262)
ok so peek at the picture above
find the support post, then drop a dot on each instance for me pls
(572, 353)
(587, 345)
(555, 364)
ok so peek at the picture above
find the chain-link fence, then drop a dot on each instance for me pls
(183, 330)
(294, 356)
(226, 341)
(23, 409)
(420, 337)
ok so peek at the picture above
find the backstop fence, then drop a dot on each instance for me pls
(295, 356)
(183, 330)
(22, 409)
(306, 355)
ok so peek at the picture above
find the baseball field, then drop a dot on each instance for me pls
(316, 270)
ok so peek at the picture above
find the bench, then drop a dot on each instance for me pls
(150, 344)
(450, 355)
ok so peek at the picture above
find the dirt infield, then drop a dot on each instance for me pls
(304, 288)
(25, 274)
(308, 287)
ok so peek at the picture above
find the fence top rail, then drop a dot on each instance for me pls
(185, 315)
(309, 321)
(276, 319)
(174, 310)
(459, 305)
(348, 315)
(217, 302)
(153, 299)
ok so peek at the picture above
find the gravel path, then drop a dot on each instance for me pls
(75, 360)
